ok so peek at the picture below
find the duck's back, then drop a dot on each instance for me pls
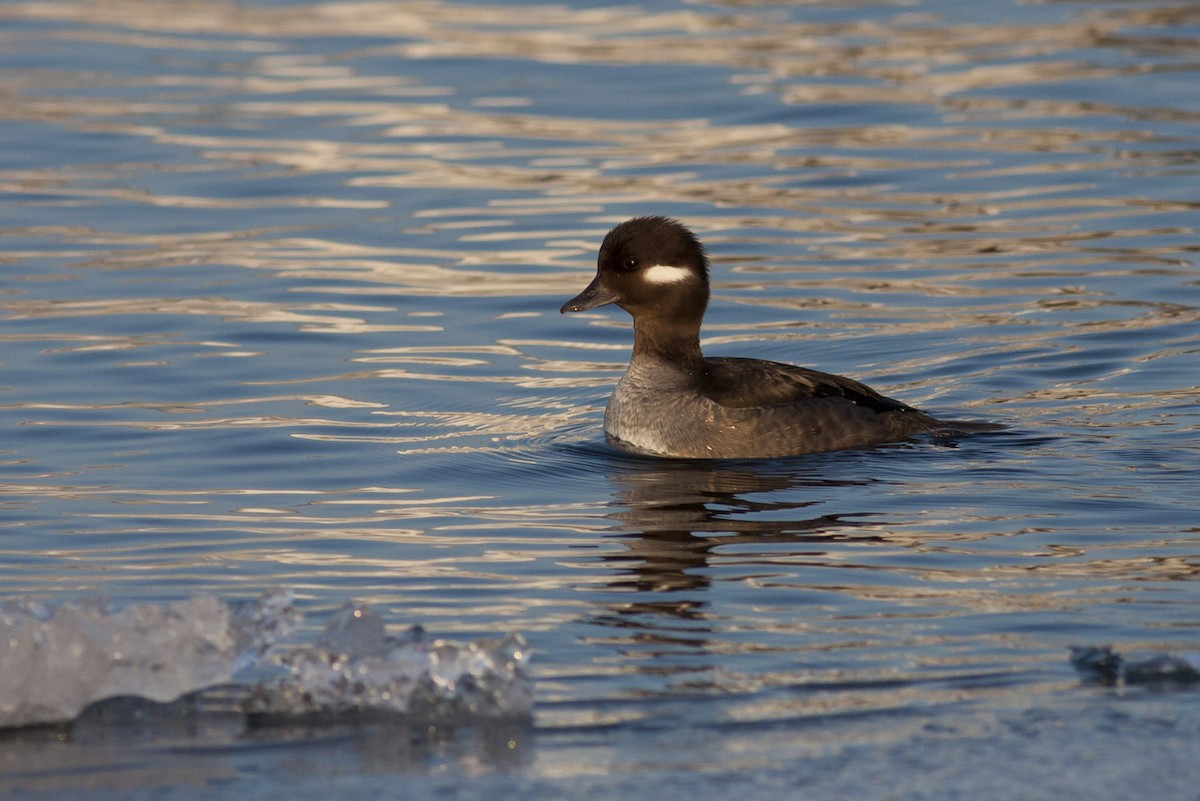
(749, 408)
(740, 383)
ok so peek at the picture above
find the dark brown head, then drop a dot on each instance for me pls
(651, 267)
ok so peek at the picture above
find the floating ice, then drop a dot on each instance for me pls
(355, 667)
(55, 660)
(1106, 666)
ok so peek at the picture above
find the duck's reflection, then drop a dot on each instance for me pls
(678, 514)
(685, 525)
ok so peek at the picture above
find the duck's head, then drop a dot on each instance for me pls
(650, 267)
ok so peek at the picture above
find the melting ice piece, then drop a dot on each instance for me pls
(57, 659)
(1105, 665)
(355, 668)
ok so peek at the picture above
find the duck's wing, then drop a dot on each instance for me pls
(737, 383)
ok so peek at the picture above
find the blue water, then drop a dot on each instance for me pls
(278, 308)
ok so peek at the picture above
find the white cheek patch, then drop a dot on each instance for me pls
(666, 274)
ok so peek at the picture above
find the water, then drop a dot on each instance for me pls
(279, 303)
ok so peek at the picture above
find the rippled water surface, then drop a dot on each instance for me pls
(279, 308)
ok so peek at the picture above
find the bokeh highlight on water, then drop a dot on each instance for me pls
(279, 309)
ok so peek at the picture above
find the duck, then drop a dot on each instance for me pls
(673, 401)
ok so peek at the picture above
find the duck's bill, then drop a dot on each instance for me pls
(595, 296)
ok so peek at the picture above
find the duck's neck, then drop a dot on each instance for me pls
(674, 342)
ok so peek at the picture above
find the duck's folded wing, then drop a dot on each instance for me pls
(736, 383)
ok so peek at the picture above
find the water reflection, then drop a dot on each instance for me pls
(811, 171)
(680, 514)
(123, 745)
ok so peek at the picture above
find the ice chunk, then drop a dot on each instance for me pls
(55, 660)
(1105, 665)
(355, 668)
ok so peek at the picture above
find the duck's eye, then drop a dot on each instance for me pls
(630, 263)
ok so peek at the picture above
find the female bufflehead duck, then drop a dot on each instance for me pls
(674, 401)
